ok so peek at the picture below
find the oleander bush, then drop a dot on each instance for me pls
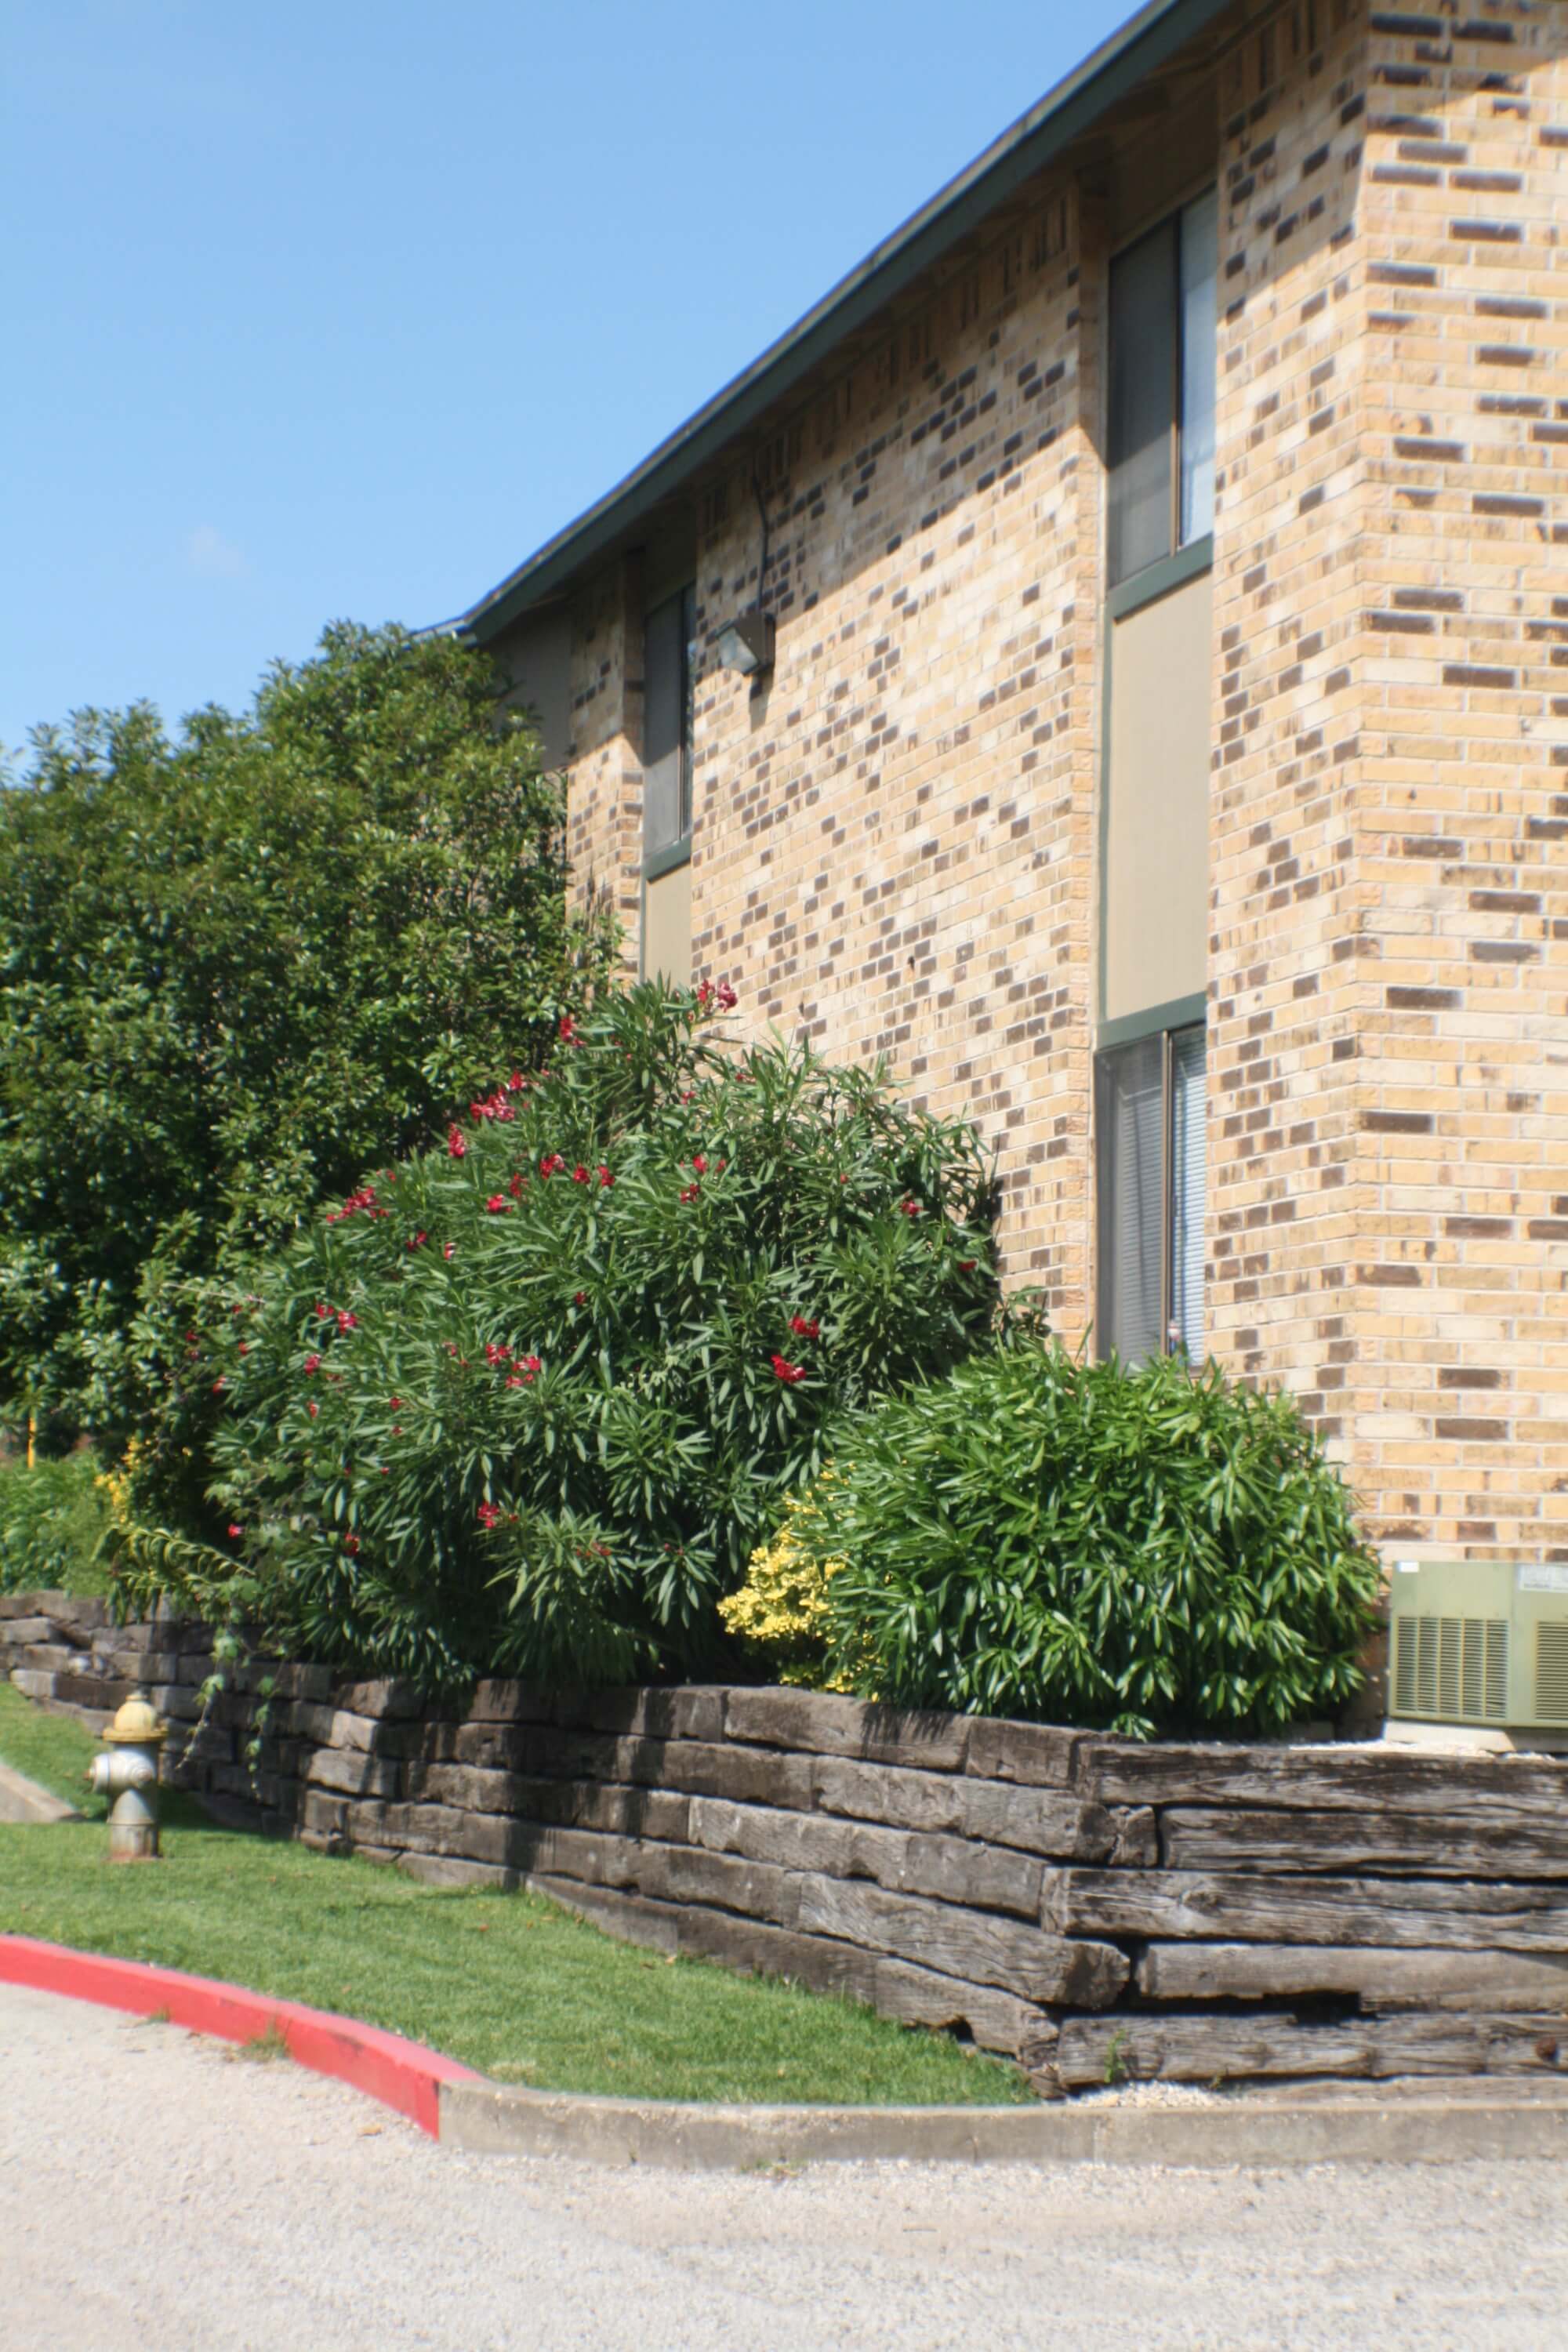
(1035, 1535)
(55, 1526)
(527, 1399)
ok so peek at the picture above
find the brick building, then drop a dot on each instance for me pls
(1162, 752)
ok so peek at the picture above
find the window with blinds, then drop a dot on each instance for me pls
(1152, 1165)
(670, 672)
(1163, 334)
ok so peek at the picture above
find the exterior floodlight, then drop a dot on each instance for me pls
(746, 644)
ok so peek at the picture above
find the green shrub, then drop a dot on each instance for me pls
(528, 1399)
(53, 1521)
(1037, 1536)
(238, 966)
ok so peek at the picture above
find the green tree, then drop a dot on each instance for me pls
(238, 966)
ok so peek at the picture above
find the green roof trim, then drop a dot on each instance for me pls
(1146, 42)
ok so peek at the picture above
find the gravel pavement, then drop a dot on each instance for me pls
(158, 2194)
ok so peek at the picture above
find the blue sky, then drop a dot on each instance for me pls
(337, 310)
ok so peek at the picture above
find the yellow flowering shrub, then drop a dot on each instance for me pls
(780, 1613)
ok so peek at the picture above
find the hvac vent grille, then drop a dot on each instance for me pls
(1454, 1669)
(1552, 1672)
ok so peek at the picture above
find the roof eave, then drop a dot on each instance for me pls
(1145, 43)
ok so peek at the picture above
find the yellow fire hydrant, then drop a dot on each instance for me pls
(129, 1773)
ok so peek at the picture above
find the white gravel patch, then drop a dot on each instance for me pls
(158, 2194)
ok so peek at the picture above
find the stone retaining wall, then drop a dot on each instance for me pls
(1096, 1909)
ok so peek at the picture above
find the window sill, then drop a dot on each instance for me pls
(1158, 578)
(660, 862)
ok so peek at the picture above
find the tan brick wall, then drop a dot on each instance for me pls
(895, 837)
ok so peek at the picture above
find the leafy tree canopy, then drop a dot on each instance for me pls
(240, 965)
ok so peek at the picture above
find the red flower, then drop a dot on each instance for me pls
(579, 1174)
(347, 1322)
(690, 1192)
(529, 1365)
(727, 998)
(456, 1142)
(323, 1313)
(789, 1373)
(495, 1354)
(704, 992)
(219, 1385)
(551, 1162)
(802, 1328)
(449, 1249)
(910, 1208)
(700, 1165)
(488, 1515)
(568, 1032)
(244, 1347)
(312, 1363)
(235, 1534)
(350, 1543)
(579, 1299)
(418, 1241)
(517, 1185)
(966, 1265)
(395, 1403)
(606, 1179)
(312, 1408)
(497, 1205)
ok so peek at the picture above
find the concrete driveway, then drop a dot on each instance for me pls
(158, 2194)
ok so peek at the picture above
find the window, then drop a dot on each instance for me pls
(1150, 1101)
(670, 659)
(1160, 457)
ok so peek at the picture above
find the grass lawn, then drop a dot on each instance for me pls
(508, 1983)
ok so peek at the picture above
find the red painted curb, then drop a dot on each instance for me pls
(400, 2074)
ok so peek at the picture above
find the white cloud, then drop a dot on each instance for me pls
(212, 556)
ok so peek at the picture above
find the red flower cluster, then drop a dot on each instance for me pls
(494, 1106)
(700, 1165)
(347, 1322)
(690, 1192)
(497, 1205)
(312, 1363)
(910, 1208)
(552, 1164)
(579, 1174)
(802, 1328)
(235, 1534)
(724, 995)
(496, 1354)
(489, 1514)
(456, 1142)
(519, 1184)
(526, 1368)
(350, 1543)
(448, 1248)
(606, 1179)
(516, 1085)
(569, 1030)
(787, 1372)
(579, 1299)
(417, 1240)
(364, 1199)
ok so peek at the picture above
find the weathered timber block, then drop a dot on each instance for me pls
(141, 1666)
(312, 1683)
(1232, 1907)
(688, 1874)
(697, 1768)
(693, 1711)
(494, 1701)
(370, 1735)
(997, 2020)
(449, 1870)
(194, 1667)
(978, 1948)
(94, 1690)
(661, 1813)
(17, 1632)
(1136, 1831)
(1344, 1842)
(493, 1747)
(47, 1657)
(151, 1633)
(354, 1774)
(630, 1917)
(466, 1786)
(62, 1608)
(1038, 1754)
(953, 1870)
(398, 1702)
(176, 1701)
(822, 1724)
(1229, 2049)
(1384, 1779)
(325, 1816)
(1441, 1980)
(1035, 1819)
(34, 1684)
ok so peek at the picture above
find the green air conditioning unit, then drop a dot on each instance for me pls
(1480, 1642)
